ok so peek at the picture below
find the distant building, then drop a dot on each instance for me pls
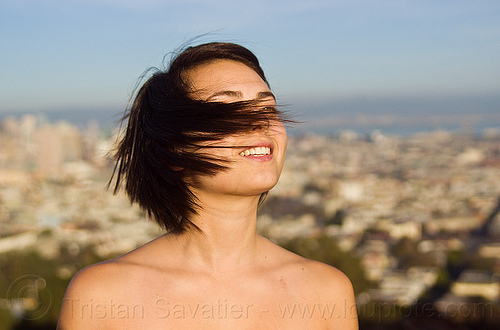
(375, 258)
(490, 250)
(404, 287)
(477, 283)
(57, 144)
(464, 309)
(399, 229)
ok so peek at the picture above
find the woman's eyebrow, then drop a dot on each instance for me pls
(231, 94)
(239, 95)
(265, 95)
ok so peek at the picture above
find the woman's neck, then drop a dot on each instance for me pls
(227, 238)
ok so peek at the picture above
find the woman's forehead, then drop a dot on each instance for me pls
(226, 81)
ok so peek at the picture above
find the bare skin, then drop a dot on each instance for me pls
(225, 276)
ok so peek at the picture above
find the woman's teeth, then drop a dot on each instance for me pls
(259, 151)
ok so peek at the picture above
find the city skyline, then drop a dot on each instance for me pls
(413, 221)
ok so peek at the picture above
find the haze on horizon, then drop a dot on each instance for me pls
(321, 57)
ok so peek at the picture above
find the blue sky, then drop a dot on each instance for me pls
(78, 54)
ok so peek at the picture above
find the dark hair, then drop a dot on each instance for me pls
(165, 124)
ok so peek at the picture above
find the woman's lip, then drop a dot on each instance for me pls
(264, 158)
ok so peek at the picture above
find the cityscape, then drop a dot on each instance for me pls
(413, 220)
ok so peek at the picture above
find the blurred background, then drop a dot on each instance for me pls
(393, 176)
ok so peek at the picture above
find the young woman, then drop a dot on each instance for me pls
(204, 143)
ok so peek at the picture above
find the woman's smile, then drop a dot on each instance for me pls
(262, 151)
(257, 152)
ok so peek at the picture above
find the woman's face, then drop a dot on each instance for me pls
(254, 170)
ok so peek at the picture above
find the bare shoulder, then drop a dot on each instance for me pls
(324, 274)
(312, 271)
(320, 286)
(86, 287)
(333, 288)
(95, 278)
(92, 296)
(108, 278)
